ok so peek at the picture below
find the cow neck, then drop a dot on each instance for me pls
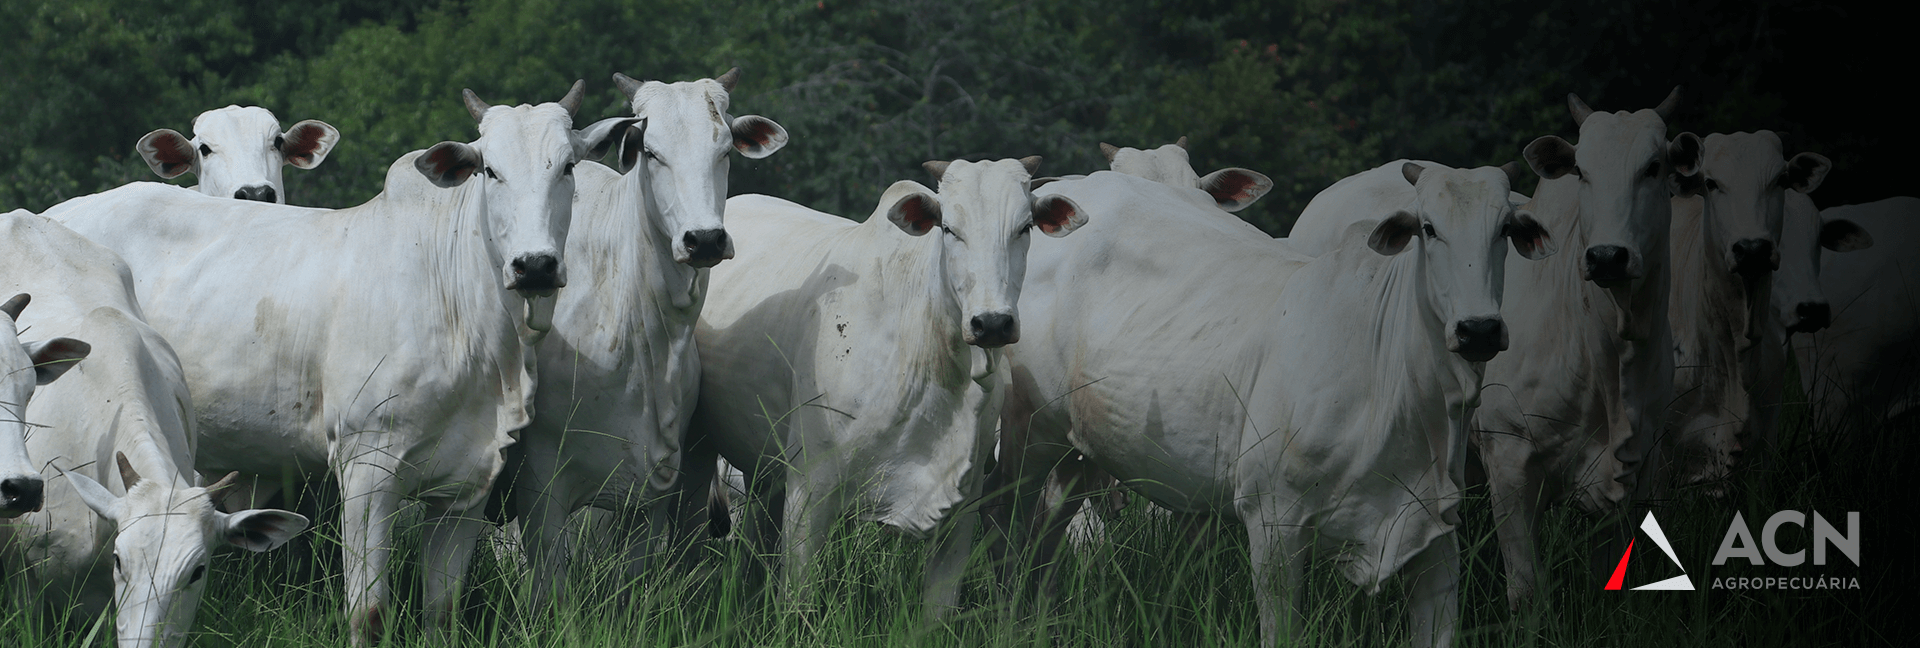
(1409, 344)
(465, 294)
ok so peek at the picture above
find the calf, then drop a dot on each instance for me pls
(237, 152)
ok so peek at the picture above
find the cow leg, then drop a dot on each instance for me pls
(952, 545)
(1276, 551)
(692, 502)
(808, 519)
(450, 540)
(543, 521)
(369, 490)
(1433, 602)
(1514, 489)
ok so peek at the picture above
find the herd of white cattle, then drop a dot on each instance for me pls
(511, 321)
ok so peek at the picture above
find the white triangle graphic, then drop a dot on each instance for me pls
(1678, 583)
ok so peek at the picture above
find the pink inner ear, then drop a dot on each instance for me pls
(915, 211)
(173, 151)
(1232, 187)
(1053, 215)
(302, 142)
(758, 133)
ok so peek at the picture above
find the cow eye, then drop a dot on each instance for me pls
(205, 150)
(568, 170)
(1427, 229)
(1028, 227)
(950, 232)
(1712, 185)
(279, 141)
(198, 573)
(491, 174)
(1653, 170)
(116, 561)
(651, 155)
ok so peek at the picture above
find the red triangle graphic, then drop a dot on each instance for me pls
(1620, 572)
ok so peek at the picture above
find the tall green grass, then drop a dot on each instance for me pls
(1144, 585)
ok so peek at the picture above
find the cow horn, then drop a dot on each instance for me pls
(1182, 142)
(224, 483)
(1411, 171)
(1578, 108)
(571, 102)
(1665, 109)
(15, 305)
(936, 167)
(729, 79)
(1512, 170)
(628, 86)
(475, 106)
(128, 476)
(1109, 150)
(1032, 163)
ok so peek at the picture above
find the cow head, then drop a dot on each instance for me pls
(1233, 189)
(1799, 305)
(1743, 182)
(1625, 167)
(683, 154)
(24, 366)
(237, 152)
(161, 548)
(1461, 223)
(985, 213)
(524, 158)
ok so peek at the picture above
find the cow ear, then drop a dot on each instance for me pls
(52, 358)
(168, 153)
(1394, 233)
(1529, 238)
(103, 502)
(1805, 172)
(1057, 215)
(915, 212)
(633, 144)
(1550, 157)
(260, 530)
(597, 138)
(757, 137)
(449, 164)
(1842, 235)
(307, 144)
(1684, 177)
(1234, 189)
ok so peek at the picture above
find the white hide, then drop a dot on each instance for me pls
(836, 368)
(378, 343)
(147, 549)
(1573, 408)
(1863, 363)
(1379, 190)
(1232, 189)
(237, 152)
(619, 374)
(23, 367)
(1309, 398)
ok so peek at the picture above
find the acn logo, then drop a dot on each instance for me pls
(1652, 529)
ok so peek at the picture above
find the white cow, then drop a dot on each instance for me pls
(619, 374)
(22, 490)
(1726, 236)
(380, 343)
(238, 152)
(1233, 189)
(1863, 364)
(121, 418)
(1575, 407)
(1308, 398)
(850, 368)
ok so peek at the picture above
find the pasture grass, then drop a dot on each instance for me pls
(1145, 585)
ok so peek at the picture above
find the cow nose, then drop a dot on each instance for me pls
(262, 193)
(1753, 257)
(1608, 264)
(1480, 338)
(706, 248)
(994, 330)
(20, 494)
(1813, 317)
(536, 272)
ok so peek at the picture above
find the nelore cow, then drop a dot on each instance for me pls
(26, 365)
(1862, 365)
(851, 369)
(237, 152)
(381, 344)
(1308, 398)
(127, 524)
(1233, 189)
(619, 373)
(1726, 247)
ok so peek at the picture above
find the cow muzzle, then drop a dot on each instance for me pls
(261, 193)
(706, 248)
(1810, 317)
(1610, 265)
(1754, 258)
(992, 330)
(536, 275)
(21, 495)
(1478, 339)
